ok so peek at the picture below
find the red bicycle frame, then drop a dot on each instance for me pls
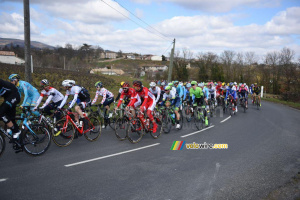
(81, 129)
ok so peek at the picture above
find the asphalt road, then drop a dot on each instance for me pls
(263, 153)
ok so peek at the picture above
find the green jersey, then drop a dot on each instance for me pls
(198, 93)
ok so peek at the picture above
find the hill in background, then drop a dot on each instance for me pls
(16, 42)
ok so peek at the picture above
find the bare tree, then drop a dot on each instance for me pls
(227, 58)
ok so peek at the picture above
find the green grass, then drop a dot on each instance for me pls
(288, 103)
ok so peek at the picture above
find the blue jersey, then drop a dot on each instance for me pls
(179, 91)
(29, 92)
(232, 92)
(205, 92)
(186, 93)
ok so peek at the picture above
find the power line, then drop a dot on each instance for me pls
(142, 20)
(167, 49)
(133, 20)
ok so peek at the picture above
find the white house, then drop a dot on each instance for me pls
(156, 58)
(9, 57)
(108, 71)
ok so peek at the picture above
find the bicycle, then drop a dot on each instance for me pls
(138, 127)
(231, 106)
(256, 101)
(243, 104)
(122, 123)
(199, 117)
(34, 138)
(109, 120)
(211, 104)
(187, 110)
(65, 129)
(169, 119)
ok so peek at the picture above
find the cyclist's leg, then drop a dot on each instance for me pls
(150, 108)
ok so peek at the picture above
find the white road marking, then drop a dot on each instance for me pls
(2, 180)
(197, 132)
(108, 156)
(225, 119)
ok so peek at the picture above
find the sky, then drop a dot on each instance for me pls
(149, 26)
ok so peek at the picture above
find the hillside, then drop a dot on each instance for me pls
(15, 42)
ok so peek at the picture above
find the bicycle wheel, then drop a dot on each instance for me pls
(198, 121)
(93, 131)
(135, 131)
(63, 133)
(121, 127)
(167, 123)
(37, 142)
(257, 104)
(2, 143)
(188, 113)
(112, 121)
(180, 120)
(158, 120)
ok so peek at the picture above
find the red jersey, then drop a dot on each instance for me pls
(131, 93)
(146, 96)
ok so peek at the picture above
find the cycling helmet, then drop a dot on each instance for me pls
(137, 83)
(201, 84)
(230, 84)
(234, 83)
(255, 84)
(152, 84)
(194, 83)
(122, 83)
(68, 83)
(188, 85)
(170, 84)
(181, 83)
(210, 84)
(13, 77)
(125, 85)
(45, 82)
(163, 83)
(245, 84)
(223, 84)
(167, 88)
(242, 86)
(99, 84)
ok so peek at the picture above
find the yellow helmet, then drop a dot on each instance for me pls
(122, 83)
(223, 84)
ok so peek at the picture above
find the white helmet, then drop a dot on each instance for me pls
(201, 84)
(234, 83)
(181, 83)
(68, 83)
(152, 84)
(163, 83)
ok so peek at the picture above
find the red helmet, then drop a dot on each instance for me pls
(242, 86)
(137, 83)
(125, 85)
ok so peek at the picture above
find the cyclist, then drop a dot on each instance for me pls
(212, 92)
(8, 108)
(156, 91)
(108, 98)
(134, 98)
(251, 91)
(120, 91)
(52, 94)
(205, 93)
(198, 95)
(31, 94)
(148, 100)
(81, 97)
(243, 91)
(256, 92)
(231, 93)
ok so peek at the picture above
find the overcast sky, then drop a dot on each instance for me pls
(198, 25)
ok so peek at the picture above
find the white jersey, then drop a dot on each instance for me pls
(52, 94)
(211, 91)
(120, 90)
(75, 91)
(104, 93)
(156, 92)
(169, 96)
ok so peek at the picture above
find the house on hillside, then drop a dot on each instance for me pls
(106, 71)
(156, 58)
(155, 68)
(108, 55)
(9, 57)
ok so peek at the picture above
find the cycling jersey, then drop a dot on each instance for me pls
(31, 94)
(256, 90)
(179, 91)
(198, 93)
(104, 93)
(205, 92)
(132, 95)
(79, 93)
(7, 88)
(232, 92)
(223, 90)
(52, 94)
(212, 92)
(148, 98)
(156, 92)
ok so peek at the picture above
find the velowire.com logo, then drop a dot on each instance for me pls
(179, 145)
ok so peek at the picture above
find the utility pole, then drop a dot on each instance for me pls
(27, 41)
(171, 62)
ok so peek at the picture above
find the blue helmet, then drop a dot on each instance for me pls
(231, 84)
(188, 85)
(13, 77)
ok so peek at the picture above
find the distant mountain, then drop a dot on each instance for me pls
(15, 42)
